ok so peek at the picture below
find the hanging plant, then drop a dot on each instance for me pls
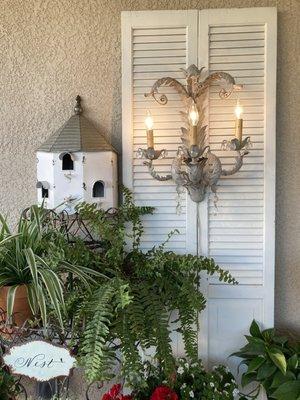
(134, 310)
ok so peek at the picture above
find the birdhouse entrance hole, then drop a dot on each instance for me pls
(67, 162)
(45, 193)
(98, 189)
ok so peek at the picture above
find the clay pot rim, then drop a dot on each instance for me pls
(21, 290)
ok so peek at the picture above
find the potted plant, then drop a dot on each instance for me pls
(272, 362)
(32, 268)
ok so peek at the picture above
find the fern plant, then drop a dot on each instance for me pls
(146, 297)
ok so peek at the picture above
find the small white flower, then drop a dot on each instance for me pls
(211, 384)
(193, 376)
(227, 384)
(195, 365)
(191, 394)
(186, 365)
(180, 370)
(214, 367)
(232, 381)
(235, 392)
(183, 386)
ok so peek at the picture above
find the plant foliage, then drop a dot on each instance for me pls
(273, 362)
(147, 296)
(10, 386)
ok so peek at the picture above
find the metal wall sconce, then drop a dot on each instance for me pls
(195, 167)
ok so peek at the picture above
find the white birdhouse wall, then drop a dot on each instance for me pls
(100, 168)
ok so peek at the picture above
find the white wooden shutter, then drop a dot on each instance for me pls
(157, 44)
(240, 232)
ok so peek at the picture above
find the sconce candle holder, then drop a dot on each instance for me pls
(195, 167)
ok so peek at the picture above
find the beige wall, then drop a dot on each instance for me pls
(51, 50)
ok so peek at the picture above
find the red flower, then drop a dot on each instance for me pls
(115, 394)
(115, 390)
(163, 393)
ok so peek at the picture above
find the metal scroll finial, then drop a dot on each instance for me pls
(78, 109)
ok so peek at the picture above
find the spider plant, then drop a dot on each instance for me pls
(34, 256)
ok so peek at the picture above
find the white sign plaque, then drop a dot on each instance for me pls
(39, 360)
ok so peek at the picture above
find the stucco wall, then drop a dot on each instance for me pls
(51, 50)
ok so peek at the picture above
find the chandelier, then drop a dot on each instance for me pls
(195, 167)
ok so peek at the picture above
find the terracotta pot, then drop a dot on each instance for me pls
(21, 310)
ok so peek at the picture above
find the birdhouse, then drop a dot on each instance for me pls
(76, 164)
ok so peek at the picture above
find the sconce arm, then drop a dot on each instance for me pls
(218, 76)
(167, 81)
(154, 174)
(237, 166)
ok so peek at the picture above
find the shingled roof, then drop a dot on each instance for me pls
(77, 134)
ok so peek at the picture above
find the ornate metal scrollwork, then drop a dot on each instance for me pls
(195, 167)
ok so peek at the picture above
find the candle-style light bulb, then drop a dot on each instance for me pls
(238, 110)
(149, 121)
(239, 121)
(149, 126)
(193, 116)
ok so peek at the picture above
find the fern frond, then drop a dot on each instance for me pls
(97, 358)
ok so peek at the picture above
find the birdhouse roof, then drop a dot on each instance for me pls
(77, 134)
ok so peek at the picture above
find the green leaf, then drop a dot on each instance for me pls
(254, 329)
(32, 265)
(287, 391)
(256, 363)
(293, 362)
(280, 339)
(278, 359)
(32, 299)
(265, 371)
(248, 378)
(11, 300)
(51, 290)
(255, 340)
(42, 304)
(279, 378)
(268, 334)
(7, 239)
